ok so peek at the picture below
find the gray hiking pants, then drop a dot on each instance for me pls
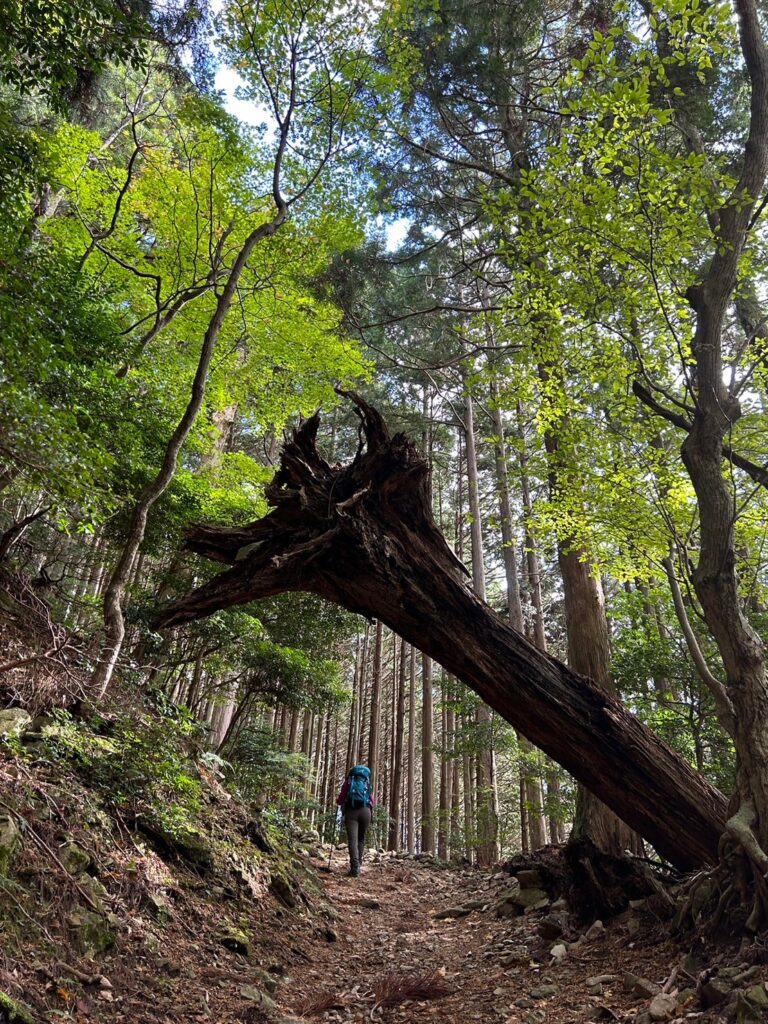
(356, 822)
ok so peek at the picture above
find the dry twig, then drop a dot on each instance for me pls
(396, 988)
(317, 1003)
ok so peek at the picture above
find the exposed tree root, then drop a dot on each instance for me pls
(732, 898)
(595, 884)
(739, 826)
(602, 885)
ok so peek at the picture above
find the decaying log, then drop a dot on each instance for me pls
(363, 536)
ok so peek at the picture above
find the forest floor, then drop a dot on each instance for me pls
(102, 921)
(492, 969)
(99, 925)
(330, 948)
(115, 910)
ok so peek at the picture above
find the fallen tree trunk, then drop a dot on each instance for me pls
(363, 536)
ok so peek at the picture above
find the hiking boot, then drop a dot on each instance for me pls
(354, 871)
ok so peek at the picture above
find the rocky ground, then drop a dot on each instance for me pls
(407, 941)
(489, 948)
(115, 908)
(106, 922)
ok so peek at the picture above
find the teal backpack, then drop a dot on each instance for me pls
(359, 792)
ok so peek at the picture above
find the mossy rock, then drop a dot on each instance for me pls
(195, 848)
(236, 940)
(74, 858)
(281, 887)
(13, 722)
(93, 933)
(10, 841)
(95, 889)
(758, 995)
(12, 1012)
(192, 846)
(752, 1004)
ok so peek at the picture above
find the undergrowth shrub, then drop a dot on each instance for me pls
(262, 769)
(139, 763)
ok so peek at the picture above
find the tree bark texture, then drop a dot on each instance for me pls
(427, 758)
(363, 536)
(716, 411)
(411, 779)
(374, 731)
(589, 653)
(488, 851)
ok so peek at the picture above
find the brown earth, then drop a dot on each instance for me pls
(388, 935)
(217, 943)
(323, 946)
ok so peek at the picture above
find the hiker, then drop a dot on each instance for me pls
(357, 801)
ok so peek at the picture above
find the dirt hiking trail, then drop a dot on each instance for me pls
(472, 964)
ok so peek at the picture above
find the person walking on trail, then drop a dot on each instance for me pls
(357, 802)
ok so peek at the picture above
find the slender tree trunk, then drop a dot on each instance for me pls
(456, 837)
(533, 800)
(321, 741)
(114, 595)
(528, 795)
(427, 702)
(531, 548)
(508, 539)
(375, 715)
(395, 807)
(308, 733)
(195, 685)
(469, 770)
(224, 718)
(331, 774)
(525, 838)
(451, 838)
(444, 803)
(530, 789)
(293, 731)
(358, 690)
(427, 758)
(487, 800)
(553, 799)
(723, 706)
(392, 723)
(242, 713)
(365, 707)
(411, 782)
